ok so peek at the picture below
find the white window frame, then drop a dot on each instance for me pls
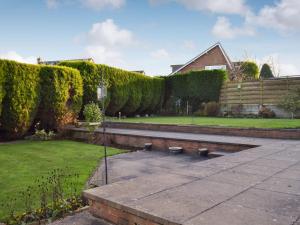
(216, 67)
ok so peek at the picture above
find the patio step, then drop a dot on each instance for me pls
(175, 150)
(215, 154)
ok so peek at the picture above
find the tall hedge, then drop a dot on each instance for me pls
(2, 82)
(22, 98)
(128, 92)
(61, 96)
(196, 86)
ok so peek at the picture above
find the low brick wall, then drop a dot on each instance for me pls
(158, 143)
(119, 215)
(230, 131)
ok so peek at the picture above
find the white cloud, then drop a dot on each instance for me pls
(215, 6)
(12, 55)
(282, 16)
(160, 54)
(105, 42)
(92, 4)
(107, 33)
(100, 4)
(224, 29)
(189, 45)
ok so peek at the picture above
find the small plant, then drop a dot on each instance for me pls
(291, 102)
(211, 109)
(92, 113)
(265, 112)
(58, 196)
(41, 135)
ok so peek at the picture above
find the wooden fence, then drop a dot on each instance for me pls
(260, 92)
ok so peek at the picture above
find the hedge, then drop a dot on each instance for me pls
(196, 86)
(22, 98)
(128, 92)
(32, 93)
(61, 96)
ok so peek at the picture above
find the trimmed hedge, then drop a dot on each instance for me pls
(61, 96)
(196, 86)
(49, 94)
(128, 92)
(22, 98)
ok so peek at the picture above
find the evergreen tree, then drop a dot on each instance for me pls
(266, 72)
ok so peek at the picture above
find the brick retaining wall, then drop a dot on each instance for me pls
(246, 132)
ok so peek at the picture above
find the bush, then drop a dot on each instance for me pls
(61, 96)
(22, 98)
(291, 102)
(211, 109)
(266, 72)
(265, 112)
(195, 87)
(92, 113)
(128, 92)
(249, 70)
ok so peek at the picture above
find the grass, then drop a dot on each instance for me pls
(217, 121)
(24, 161)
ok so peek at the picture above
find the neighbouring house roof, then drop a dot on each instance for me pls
(139, 71)
(55, 62)
(218, 44)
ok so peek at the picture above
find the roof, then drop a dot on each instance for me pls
(218, 44)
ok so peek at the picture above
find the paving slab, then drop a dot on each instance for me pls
(226, 214)
(289, 174)
(236, 178)
(82, 218)
(288, 186)
(183, 202)
(269, 201)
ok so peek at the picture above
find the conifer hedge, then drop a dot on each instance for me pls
(22, 96)
(49, 94)
(128, 92)
(196, 86)
(61, 96)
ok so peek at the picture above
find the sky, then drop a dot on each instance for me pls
(151, 35)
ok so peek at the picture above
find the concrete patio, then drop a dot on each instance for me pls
(259, 186)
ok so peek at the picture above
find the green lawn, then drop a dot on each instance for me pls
(216, 121)
(22, 162)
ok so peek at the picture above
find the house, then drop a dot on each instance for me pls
(214, 57)
(39, 61)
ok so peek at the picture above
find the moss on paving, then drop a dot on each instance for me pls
(24, 161)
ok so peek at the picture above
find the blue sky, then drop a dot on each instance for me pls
(151, 34)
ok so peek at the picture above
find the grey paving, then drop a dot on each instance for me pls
(258, 186)
(83, 218)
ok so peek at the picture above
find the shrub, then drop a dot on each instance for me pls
(265, 112)
(249, 70)
(291, 102)
(211, 109)
(22, 98)
(266, 72)
(92, 113)
(61, 96)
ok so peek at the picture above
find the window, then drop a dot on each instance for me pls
(216, 67)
